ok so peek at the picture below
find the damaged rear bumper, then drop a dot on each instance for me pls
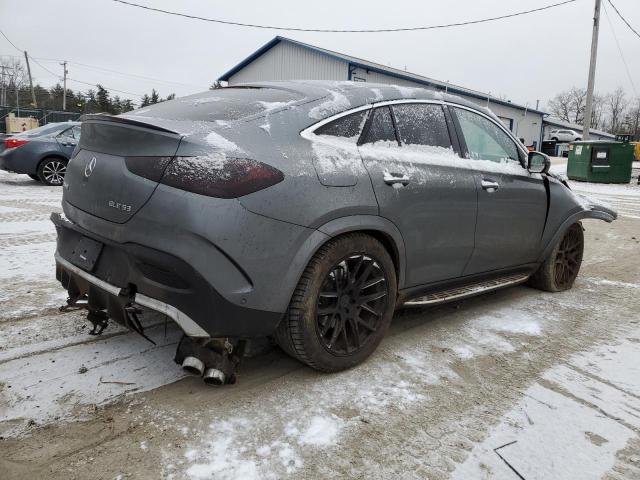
(126, 275)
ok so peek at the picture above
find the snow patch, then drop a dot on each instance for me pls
(216, 140)
(322, 431)
(335, 104)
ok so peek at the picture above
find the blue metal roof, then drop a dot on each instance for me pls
(374, 67)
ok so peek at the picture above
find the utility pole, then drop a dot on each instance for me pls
(33, 93)
(3, 93)
(64, 86)
(592, 71)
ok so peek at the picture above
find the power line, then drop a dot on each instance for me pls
(125, 74)
(323, 30)
(624, 61)
(624, 19)
(72, 79)
(110, 89)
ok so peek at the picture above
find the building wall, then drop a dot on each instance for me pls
(523, 125)
(291, 62)
(287, 61)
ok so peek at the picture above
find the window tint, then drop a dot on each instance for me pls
(73, 132)
(348, 127)
(422, 124)
(381, 127)
(484, 139)
(226, 104)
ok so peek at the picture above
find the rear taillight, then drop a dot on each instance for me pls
(220, 177)
(14, 142)
(214, 176)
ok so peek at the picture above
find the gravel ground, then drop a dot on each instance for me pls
(518, 382)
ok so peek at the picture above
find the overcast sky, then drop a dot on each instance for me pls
(524, 59)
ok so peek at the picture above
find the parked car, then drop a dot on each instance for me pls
(565, 135)
(307, 211)
(42, 153)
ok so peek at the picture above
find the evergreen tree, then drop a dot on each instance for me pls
(104, 102)
(155, 98)
(146, 101)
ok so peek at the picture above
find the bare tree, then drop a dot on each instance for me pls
(560, 106)
(598, 112)
(569, 105)
(616, 106)
(13, 76)
(632, 119)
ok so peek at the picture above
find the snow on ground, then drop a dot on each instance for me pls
(42, 350)
(624, 198)
(570, 424)
(575, 418)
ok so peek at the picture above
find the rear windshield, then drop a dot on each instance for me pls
(44, 130)
(223, 104)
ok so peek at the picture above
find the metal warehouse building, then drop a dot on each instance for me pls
(286, 59)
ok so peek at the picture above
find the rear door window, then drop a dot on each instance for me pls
(485, 140)
(348, 127)
(422, 124)
(381, 129)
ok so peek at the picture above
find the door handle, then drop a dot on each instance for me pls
(490, 186)
(394, 178)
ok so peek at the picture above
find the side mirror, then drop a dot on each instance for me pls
(538, 162)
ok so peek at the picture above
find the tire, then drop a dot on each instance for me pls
(34, 176)
(328, 325)
(560, 269)
(51, 171)
(555, 139)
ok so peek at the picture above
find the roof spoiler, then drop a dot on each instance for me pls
(105, 117)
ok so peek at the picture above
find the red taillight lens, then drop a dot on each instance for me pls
(14, 142)
(214, 176)
(220, 177)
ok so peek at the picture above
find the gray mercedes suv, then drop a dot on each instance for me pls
(306, 211)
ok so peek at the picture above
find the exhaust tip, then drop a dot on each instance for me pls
(193, 365)
(213, 376)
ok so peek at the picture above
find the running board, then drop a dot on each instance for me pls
(467, 291)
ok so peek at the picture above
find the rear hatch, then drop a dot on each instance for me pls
(100, 177)
(120, 160)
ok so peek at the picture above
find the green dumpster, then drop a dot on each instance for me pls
(600, 161)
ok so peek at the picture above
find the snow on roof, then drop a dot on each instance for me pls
(376, 67)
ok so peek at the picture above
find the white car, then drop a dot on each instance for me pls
(565, 135)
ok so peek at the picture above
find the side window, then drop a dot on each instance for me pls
(484, 139)
(347, 127)
(381, 127)
(422, 124)
(75, 132)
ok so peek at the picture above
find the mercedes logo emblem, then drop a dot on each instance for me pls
(88, 169)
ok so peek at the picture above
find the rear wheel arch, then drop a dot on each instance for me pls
(376, 227)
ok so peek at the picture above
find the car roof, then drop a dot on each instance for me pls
(362, 93)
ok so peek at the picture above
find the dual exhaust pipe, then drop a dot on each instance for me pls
(211, 376)
(214, 359)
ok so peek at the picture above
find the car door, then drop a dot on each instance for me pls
(512, 203)
(423, 186)
(68, 139)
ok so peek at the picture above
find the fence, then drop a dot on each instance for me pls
(43, 116)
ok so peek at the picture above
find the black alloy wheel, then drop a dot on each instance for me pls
(351, 303)
(568, 258)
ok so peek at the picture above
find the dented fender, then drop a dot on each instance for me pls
(584, 208)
